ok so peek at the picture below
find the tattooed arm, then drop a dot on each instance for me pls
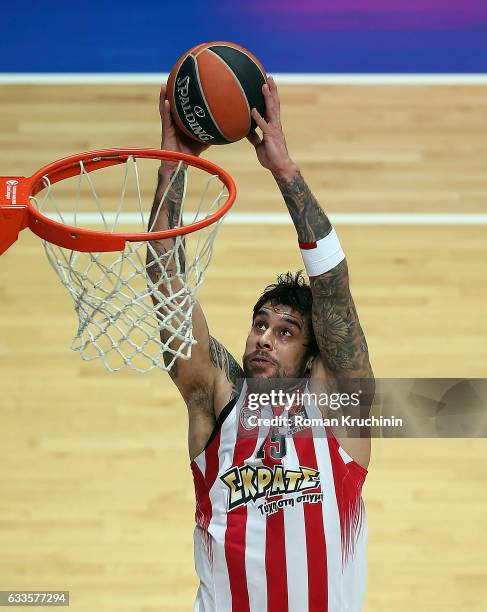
(339, 335)
(210, 378)
(336, 326)
(335, 322)
(344, 357)
(208, 350)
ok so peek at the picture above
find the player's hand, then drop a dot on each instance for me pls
(173, 138)
(271, 149)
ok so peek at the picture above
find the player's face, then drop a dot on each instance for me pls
(276, 345)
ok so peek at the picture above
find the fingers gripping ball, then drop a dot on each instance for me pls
(212, 88)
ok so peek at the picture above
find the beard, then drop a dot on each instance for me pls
(272, 377)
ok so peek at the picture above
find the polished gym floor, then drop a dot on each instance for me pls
(96, 495)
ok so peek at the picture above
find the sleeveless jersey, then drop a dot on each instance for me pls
(280, 521)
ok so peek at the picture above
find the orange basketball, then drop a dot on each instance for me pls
(212, 88)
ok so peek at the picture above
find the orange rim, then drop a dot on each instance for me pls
(79, 239)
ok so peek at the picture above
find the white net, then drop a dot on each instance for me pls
(134, 306)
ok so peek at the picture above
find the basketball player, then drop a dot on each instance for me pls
(280, 518)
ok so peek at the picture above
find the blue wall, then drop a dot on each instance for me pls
(288, 36)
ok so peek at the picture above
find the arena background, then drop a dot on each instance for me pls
(311, 36)
(384, 110)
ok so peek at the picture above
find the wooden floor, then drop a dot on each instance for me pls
(95, 489)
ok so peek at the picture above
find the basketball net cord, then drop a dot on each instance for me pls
(135, 306)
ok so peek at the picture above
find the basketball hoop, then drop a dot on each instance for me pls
(134, 298)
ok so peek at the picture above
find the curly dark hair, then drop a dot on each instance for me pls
(291, 290)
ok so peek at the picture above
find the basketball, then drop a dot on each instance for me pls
(212, 89)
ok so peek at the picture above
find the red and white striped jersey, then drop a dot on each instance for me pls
(280, 521)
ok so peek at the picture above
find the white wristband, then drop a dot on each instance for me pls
(321, 256)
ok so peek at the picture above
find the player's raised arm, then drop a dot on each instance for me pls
(336, 325)
(210, 377)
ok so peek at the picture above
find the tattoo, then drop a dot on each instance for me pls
(175, 202)
(309, 219)
(336, 325)
(168, 216)
(221, 358)
(174, 199)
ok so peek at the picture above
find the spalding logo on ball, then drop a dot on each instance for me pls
(212, 88)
